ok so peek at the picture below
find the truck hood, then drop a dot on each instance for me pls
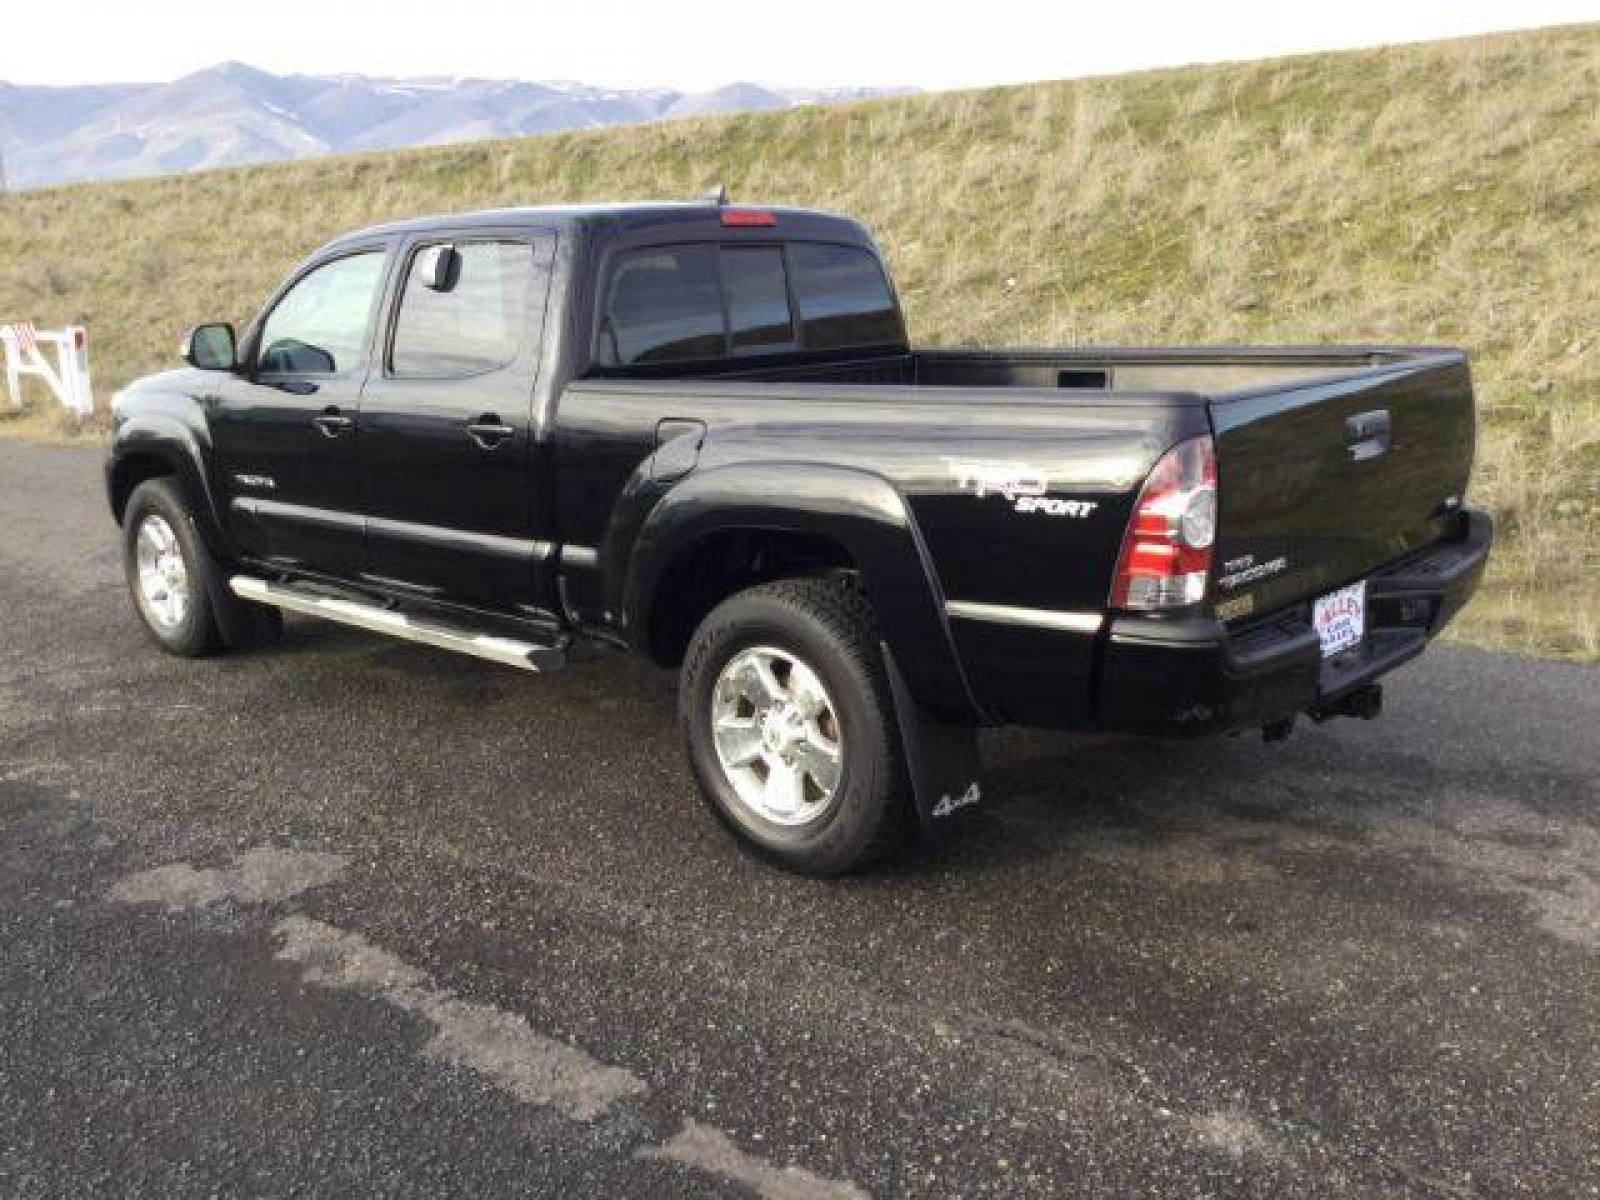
(180, 382)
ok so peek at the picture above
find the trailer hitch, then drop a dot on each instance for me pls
(1365, 703)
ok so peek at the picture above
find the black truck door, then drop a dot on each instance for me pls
(446, 453)
(284, 427)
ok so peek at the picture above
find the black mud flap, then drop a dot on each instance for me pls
(243, 626)
(941, 758)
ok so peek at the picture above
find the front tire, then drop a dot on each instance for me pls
(167, 570)
(790, 728)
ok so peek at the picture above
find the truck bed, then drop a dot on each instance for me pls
(1204, 371)
(1310, 497)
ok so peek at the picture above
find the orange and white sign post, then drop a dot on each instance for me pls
(67, 377)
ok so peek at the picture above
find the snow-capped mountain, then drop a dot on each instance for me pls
(232, 114)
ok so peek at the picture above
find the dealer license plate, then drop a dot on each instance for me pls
(1341, 618)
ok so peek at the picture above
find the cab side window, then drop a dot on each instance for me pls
(470, 321)
(320, 325)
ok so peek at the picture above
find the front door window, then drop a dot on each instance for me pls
(320, 325)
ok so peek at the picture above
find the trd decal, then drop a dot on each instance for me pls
(1010, 480)
(1053, 507)
(1024, 487)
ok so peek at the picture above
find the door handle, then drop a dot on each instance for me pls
(331, 422)
(489, 431)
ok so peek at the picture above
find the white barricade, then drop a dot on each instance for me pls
(67, 377)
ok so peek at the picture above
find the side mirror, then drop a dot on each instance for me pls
(439, 267)
(211, 348)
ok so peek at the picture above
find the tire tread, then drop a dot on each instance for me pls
(849, 624)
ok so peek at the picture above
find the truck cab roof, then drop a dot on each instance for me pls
(631, 219)
(662, 257)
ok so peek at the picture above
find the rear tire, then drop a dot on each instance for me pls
(790, 728)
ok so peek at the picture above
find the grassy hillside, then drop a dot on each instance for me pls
(1446, 192)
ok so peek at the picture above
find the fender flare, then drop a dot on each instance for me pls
(863, 512)
(165, 437)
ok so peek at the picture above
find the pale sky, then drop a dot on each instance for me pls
(699, 45)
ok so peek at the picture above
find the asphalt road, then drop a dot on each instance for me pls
(353, 918)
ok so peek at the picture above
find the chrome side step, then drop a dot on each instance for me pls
(510, 652)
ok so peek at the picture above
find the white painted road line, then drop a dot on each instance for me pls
(496, 1044)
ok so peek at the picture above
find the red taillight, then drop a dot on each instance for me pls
(1166, 552)
(747, 217)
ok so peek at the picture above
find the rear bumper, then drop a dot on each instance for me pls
(1198, 676)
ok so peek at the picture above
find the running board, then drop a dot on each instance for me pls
(510, 652)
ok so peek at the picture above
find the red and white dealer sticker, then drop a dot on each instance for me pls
(1341, 618)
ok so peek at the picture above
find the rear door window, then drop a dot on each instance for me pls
(843, 296)
(475, 322)
(664, 305)
(759, 320)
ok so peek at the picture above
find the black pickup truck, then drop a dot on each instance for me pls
(698, 431)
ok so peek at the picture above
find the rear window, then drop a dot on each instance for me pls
(843, 296)
(714, 300)
(665, 306)
(759, 320)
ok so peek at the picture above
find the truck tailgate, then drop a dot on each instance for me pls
(1321, 483)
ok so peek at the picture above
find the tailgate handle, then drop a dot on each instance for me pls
(488, 431)
(1366, 435)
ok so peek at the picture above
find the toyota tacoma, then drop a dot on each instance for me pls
(698, 431)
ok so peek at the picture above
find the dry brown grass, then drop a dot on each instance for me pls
(1441, 193)
(41, 419)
